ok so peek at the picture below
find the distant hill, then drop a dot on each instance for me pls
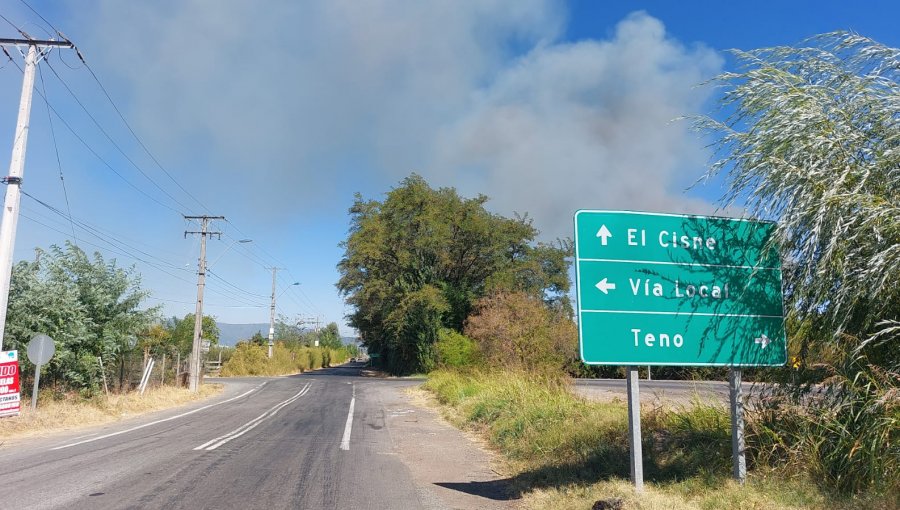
(231, 334)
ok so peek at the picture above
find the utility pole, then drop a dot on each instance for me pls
(194, 380)
(37, 49)
(272, 314)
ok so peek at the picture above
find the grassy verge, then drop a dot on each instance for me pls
(69, 413)
(565, 452)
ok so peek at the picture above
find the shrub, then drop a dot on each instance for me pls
(518, 331)
(455, 350)
(247, 359)
(846, 435)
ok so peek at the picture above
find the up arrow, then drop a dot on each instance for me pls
(764, 340)
(605, 286)
(603, 234)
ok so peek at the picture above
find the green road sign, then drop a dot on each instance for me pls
(665, 289)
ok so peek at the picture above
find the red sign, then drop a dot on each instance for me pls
(9, 383)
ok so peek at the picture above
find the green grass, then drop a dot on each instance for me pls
(566, 452)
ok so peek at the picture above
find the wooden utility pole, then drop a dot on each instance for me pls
(194, 381)
(37, 50)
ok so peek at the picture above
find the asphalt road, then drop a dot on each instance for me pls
(265, 443)
(681, 392)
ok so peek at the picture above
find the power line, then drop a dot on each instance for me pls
(58, 162)
(44, 19)
(116, 108)
(101, 235)
(94, 152)
(111, 140)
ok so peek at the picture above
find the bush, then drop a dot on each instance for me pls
(846, 435)
(455, 350)
(247, 359)
(252, 359)
(518, 331)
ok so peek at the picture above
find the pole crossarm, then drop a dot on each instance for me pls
(46, 43)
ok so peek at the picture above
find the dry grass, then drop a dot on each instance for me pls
(68, 414)
(566, 453)
(730, 495)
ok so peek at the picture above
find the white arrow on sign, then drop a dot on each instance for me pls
(605, 286)
(603, 234)
(764, 340)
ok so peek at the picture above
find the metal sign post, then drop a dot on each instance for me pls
(634, 429)
(40, 351)
(682, 290)
(735, 396)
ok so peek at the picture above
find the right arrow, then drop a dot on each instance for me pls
(605, 286)
(764, 340)
(603, 234)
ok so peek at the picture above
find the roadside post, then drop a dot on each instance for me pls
(40, 351)
(634, 429)
(10, 398)
(678, 290)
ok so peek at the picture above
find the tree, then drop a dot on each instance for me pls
(156, 338)
(89, 306)
(183, 332)
(258, 339)
(813, 142)
(330, 337)
(418, 261)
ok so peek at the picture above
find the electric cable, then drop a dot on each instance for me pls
(58, 162)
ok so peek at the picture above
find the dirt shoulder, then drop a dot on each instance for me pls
(450, 469)
(63, 416)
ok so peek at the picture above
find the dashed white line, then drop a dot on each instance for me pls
(345, 442)
(250, 425)
(159, 421)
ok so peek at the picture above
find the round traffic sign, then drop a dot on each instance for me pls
(40, 349)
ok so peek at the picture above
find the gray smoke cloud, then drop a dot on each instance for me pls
(285, 104)
(587, 125)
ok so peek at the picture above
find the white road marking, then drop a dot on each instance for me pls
(250, 425)
(345, 442)
(160, 421)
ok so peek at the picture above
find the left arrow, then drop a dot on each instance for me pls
(604, 286)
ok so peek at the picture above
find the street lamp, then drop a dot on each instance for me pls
(236, 241)
(272, 312)
(288, 288)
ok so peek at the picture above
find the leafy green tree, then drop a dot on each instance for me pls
(288, 331)
(330, 337)
(417, 262)
(89, 306)
(157, 338)
(183, 332)
(258, 339)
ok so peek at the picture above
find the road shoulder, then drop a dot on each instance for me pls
(450, 469)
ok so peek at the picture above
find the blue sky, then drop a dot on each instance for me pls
(275, 117)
